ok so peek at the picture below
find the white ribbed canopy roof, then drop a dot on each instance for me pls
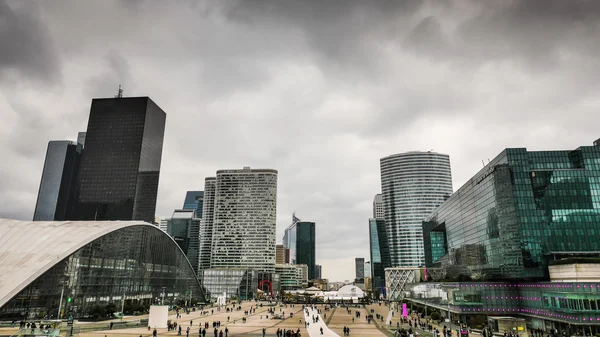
(30, 248)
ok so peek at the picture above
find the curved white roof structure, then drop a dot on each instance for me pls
(30, 248)
(350, 291)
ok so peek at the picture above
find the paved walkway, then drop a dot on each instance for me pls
(253, 326)
(314, 329)
(388, 321)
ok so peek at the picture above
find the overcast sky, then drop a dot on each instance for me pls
(319, 90)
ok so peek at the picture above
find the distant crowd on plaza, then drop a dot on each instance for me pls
(33, 326)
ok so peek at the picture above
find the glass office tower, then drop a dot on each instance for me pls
(413, 184)
(206, 224)
(184, 228)
(120, 165)
(289, 240)
(194, 200)
(380, 254)
(305, 246)
(359, 268)
(57, 186)
(522, 210)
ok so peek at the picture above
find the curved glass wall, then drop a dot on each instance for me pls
(138, 263)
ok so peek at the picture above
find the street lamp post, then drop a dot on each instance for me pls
(425, 301)
(123, 306)
(62, 292)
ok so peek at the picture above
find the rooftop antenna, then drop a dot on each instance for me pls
(482, 163)
(119, 93)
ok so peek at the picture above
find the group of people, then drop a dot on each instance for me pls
(286, 333)
(32, 325)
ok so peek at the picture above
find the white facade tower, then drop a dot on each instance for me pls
(413, 185)
(243, 229)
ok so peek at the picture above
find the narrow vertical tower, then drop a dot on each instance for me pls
(305, 246)
(413, 184)
(57, 186)
(378, 209)
(206, 226)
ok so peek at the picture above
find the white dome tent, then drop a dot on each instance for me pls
(347, 293)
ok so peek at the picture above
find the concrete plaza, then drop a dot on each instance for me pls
(336, 319)
(253, 326)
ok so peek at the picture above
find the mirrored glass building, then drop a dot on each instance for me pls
(184, 228)
(59, 176)
(194, 200)
(380, 255)
(521, 211)
(305, 246)
(59, 269)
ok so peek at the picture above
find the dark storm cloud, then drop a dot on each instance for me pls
(344, 37)
(319, 90)
(535, 32)
(27, 48)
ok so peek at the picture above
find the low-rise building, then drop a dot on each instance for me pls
(72, 268)
(292, 276)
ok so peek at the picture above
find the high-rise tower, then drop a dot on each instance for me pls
(57, 186)
(243, 233)
(184, 228)
(120, 165)
(305, 246)
(359, 266)
(206, 225)
(413, 185)
(378, 210)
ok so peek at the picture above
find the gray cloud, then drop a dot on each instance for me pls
(318, 90)
(27, 48)
(117, 73)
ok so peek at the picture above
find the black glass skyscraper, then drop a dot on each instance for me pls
(305, 246)
(120, 166)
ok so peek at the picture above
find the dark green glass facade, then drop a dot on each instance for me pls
(305, 246)
(380, 254)
(519, 212)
